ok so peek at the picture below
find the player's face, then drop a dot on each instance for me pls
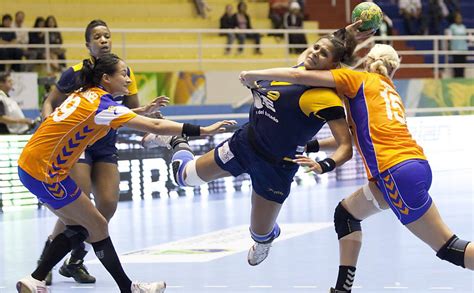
(100, 41)
(321, 56)
(117, 84)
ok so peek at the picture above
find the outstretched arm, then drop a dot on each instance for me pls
(322, 78)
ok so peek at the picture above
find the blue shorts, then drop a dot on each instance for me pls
(236, 156)
(103, 150)
(56, 195)
(405, 187)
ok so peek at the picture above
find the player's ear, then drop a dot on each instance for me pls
(106, 78)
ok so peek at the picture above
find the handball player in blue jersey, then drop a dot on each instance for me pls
(283, 118)
(100, 158)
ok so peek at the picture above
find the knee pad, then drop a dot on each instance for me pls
(344, 222)
(76, 235)
(453, 251)
(183, 162)
(268, 238)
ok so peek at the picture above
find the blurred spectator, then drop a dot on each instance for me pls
(202, 8)
(9, 38)
(435, 12)
(453, 8)
(226, 22)
(22, 38)
(242, 21)
(276, 13)
(385, 30)
(12, 119)
(37, 38)
(294, 20)
(411, 13)
(458, 29)
(55, 38)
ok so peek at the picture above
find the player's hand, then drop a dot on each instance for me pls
(248, 79)
(156, 104)
(309, 164)
(360, 36)
(217, 127)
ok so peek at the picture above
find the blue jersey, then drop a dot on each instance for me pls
(285, 116)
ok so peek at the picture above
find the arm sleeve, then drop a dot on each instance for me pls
(111, 113)
(323, 103)
(68, 82)
(348, 82)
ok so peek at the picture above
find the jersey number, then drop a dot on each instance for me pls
(66, 108)
(393, 105)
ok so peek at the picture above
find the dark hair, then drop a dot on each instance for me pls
(5, 17)
(91, 26)
(93, 70)
(53, 18)
(4, 76)
(38, 20)
(344, 45)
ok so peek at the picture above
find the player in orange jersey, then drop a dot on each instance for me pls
(46, 161)
(399, 174)
(98, 158)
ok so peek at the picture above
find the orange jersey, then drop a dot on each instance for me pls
(377, 120)
(81, 120)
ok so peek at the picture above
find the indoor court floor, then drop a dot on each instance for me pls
(200, 243)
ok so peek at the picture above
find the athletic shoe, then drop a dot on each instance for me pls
(31, 285)
(151, 140)
(258, 253)
(77, 271)
(157, 287)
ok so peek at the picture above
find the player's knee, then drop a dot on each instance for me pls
(76, 234)
(184, 169)
(453, 251)
(344, 222)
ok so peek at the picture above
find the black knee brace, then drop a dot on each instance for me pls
(76, 234)
(453, 251)
(344, 222)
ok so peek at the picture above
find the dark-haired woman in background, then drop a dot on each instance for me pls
(101, 157)
(55, 38)
(47, 159)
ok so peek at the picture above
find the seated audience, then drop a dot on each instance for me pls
(294, 20)
(242, 21)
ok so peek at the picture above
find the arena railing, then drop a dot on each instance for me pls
(439, 43)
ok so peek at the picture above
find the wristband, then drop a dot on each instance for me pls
(327, 165)
(312, 146)
(191, 130)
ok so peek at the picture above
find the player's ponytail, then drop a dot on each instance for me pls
(383, 59)
(94, 69)
(344, 45)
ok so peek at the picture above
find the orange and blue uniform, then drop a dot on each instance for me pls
(103, 150)
(49, 155)
(391, 156)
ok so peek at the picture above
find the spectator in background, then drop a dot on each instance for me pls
(55, 38)
(458, 29)
(453, 8)
(227, 22)
(242, 21)
(436, 10)
(22, 39)
(294, 20)
(202, 8)
(411, 13)
(12, 119)
(9, 38)
(277, 11)
(38, 38)
(386, 29)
